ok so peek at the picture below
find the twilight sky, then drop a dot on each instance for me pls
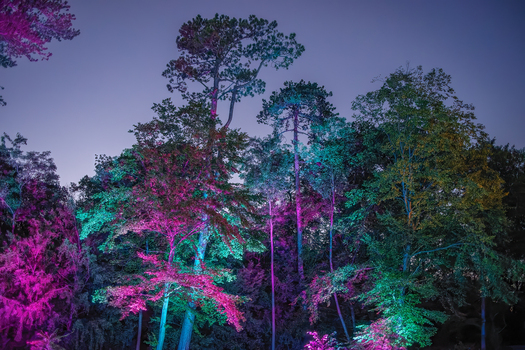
(94, 88)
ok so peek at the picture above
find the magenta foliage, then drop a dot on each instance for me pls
(47, 341)
(27, 26)
(326, 342)
(38, 274)
(132, 298)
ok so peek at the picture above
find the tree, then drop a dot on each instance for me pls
(434, 199)
(40, 257)
(225, 56)
(330, 159)
(177, 180)
(295, 108)
(27, 26)
(213, 55)
(266, 167)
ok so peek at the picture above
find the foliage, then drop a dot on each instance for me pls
(326, 342)
(40, 257)
(432, 190)
(27, 26)
(225, 56)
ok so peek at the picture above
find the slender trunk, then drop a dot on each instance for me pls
(139, 332)
(332, 208)
(272, 273)
(353, 317)
(483, 324)
(300, 267)
(189, 317)
(232, 104)
(13, 225)
(162, 331)
(341, 318)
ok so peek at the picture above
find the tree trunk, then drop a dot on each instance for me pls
(162, 330)
(483, 323)
(232, 104)
(300, 267)
(353, 317)
(332, 208)
(273, 276)
(189, 317)
(139, 331)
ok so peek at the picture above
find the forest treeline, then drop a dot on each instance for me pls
(397, 226)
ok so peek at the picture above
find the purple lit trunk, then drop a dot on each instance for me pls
(483, 324)
(189, 317)
(272, 273)
(139, 332)
(332, 208)
(300, 267)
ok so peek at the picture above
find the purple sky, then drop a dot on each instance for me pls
(94, 88)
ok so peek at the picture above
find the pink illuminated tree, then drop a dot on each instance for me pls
(179, 171)
(40, 256)
(27, 26)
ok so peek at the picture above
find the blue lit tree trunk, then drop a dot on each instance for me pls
(189, 317)
(163, 315)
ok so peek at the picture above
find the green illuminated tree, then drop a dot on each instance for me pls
(434, 199)
(330, 160)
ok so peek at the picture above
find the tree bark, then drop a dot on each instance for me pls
(483, 324)
(189, 317)
(300, 267)
(163, 315)
(332, 208)
(273, 276)
(139, 331)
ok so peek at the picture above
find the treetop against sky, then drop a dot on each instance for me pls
(82, 101)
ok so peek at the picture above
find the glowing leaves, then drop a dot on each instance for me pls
(27, 26)
(152, 287)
